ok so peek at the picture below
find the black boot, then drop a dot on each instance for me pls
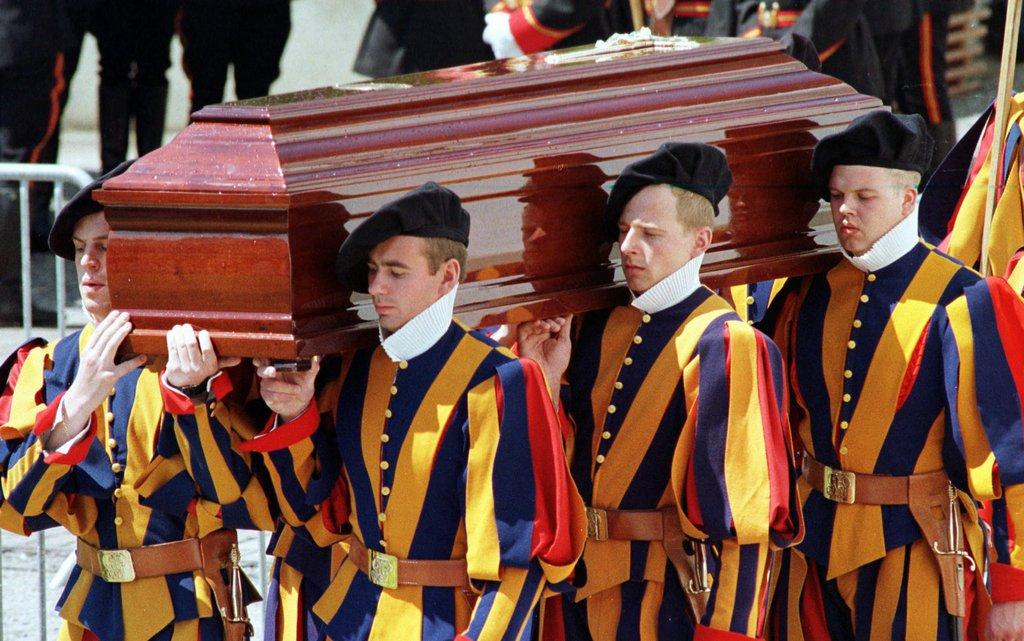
(150, 112)
(114, 112)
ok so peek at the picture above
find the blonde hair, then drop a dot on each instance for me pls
(439, 251)
(694, 211)
(905, 178)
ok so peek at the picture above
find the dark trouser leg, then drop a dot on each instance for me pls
(28, 112)
(206, 32)
(258, 45)
(924, 90)
(154, 28)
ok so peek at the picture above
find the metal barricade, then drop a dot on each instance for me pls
(62, 176)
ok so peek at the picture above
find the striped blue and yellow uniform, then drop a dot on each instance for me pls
(684, 409)
(92, 492)
(914, 368)
(454, 454)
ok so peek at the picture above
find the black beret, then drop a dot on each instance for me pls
(80, 206)
(694, 167)
(876, 139)
(429, 211)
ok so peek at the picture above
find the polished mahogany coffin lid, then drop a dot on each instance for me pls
(233, 225)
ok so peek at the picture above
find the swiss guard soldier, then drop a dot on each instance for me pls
(81, 429)
(453, 499)
(904, 370)
(680, 442)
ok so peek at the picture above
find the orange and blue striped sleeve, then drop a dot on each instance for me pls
(300, 457)
(525, 522)
(739, 486)
(33, 476)
(983, 361)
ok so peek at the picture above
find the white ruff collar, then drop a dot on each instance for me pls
(892, 246)
(421, 332)
(672, 289)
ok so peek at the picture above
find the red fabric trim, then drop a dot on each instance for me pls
(74, 456)
(552, 535)
(174, 401)
(552, 628)
(984, 148)
(7, 398)
(1010, 266)
(913, 369)
(178, 404)
(704, 633)
(827, 53)
(778, 448)
(529, 39)
(285, 435)
(1007, 583)
(1009, 313)
(335, 510)
(55, 92)
(812, 606)
(924, 61)
(221, 385)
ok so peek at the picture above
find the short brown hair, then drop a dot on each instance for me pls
(694, 211)
(439, 251)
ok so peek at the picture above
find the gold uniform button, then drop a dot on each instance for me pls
(394, 390)
(213, 405)
(864, 298)
(627, 361)
(872, 278)
(109, 416)
(750, 322)
(118, 492)
(618, 384)
(384, 465)
(382, 517)
(646, 318)
(844, 425)
(857, 324)
(847, 374)
(750, 300)
(843, 450)
(599, 458)
(387, 414)
(403, 364)
(385, 490)
(852, 344)
(383, 543)
(846, 398)
(118, 520)
(384, 438)
(637, 340)
(606, 435)
(611, 409)
(111, 443)
(116, 468)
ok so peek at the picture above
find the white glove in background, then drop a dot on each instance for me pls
(498, 34)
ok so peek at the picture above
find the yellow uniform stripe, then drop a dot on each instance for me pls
(483, 553)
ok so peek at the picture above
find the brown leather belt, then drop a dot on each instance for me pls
(122, 566)
(866, 489)
(627, 525)
(389, 571)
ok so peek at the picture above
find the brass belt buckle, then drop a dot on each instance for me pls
(383, 569)
(597, 524)
(839, 486)
(116, 566)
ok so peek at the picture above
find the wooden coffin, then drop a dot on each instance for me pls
(233, 226)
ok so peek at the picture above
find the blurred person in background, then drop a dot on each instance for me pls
(247, 35)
